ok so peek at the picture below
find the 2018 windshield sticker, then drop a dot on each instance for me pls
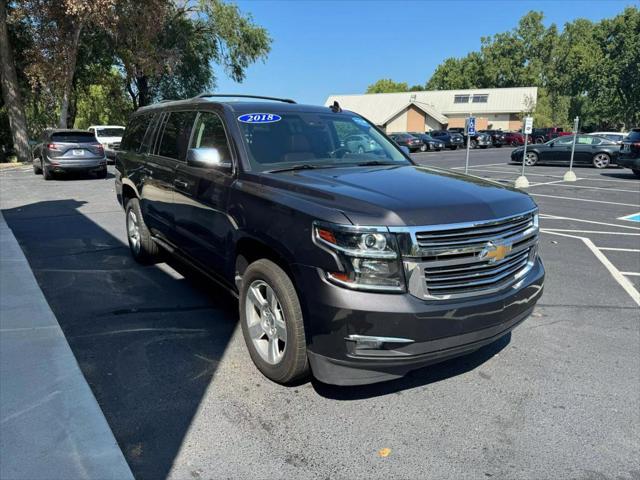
(360, 121)
(259, 118)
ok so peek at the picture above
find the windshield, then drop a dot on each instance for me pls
(314, 140)
(110, 132)
(73, 137)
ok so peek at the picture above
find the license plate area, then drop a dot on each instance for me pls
(78, 152)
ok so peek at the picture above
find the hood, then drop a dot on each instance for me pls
(397, 196)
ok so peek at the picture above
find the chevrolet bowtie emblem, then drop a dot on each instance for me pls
(495, 253)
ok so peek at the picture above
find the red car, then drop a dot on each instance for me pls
(513, 138)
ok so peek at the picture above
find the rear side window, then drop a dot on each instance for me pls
(134, 133)
(73, 137)
(176, 133)
(210, 133)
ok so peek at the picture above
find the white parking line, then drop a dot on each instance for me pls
(592, 231)
(637, 192)
(615, 273)
(613, 249)
(631, 274)
(556, 217)
(472, 167)
(583, 200)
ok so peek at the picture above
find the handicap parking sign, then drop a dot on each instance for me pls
(471, 126)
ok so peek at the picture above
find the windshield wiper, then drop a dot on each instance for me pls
(304, 166)
(372, 163)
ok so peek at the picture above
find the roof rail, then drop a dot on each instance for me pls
(275, 99)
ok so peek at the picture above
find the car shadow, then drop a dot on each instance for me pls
(75, 176)
(148, 339)
(417, 378)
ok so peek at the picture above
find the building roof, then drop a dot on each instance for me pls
(381, 107)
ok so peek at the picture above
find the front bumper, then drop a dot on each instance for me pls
(437, 330)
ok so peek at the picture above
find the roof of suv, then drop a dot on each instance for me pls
(244, 106)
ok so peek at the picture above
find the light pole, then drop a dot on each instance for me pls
(570, 176)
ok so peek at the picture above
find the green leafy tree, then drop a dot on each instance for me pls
(103, 103)
(386, 85)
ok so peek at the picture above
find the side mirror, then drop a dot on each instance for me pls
(205, 157)
(405, 149)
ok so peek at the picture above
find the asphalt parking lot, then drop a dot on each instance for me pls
(162, 351)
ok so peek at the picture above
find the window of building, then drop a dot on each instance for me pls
(461, 99)
(480, 98)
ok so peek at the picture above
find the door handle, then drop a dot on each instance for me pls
(147, 171)
(181, 184)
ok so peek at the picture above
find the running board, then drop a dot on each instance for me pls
(176, 253)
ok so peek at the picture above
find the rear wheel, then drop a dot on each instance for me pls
(531, 159)
(601, 160)
(143, 249)
(102, 173)
(272, 324)
(46, 173)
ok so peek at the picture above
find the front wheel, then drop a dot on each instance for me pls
(474, 144)
(531, 159)
(143, 249)
(272, 324)
(601, 160)
(423, 148)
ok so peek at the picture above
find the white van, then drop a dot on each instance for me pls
(109, 136)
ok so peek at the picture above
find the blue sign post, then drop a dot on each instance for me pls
(469, 129)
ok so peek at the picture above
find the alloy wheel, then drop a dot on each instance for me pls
(266, 322)
(601, 160)
(531, 159)
(133, 231)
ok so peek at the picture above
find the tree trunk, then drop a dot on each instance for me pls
(10, 91)
(143, 90)
(70, 72)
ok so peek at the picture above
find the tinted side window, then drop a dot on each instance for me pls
(134, 133)
(149, 133)
(176, 133)
(209, 133)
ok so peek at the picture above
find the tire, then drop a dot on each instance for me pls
(473, 144)
(423, 148)
(515, 144)
(484, 146)
(46, 173)
(453, 147)
(37, 170)
(102, 173)
(143, 249)
(539, 140)
(532, 159)
(268, 317)
(360, 150)
(601, 160)
(636, 172)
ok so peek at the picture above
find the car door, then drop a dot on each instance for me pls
(202, 192)
(556, 151)
(585, 148)
(168, 149)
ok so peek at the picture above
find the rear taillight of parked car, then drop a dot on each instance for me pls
(54, 146)
(99, 148)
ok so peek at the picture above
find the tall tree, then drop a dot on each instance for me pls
(386, 85)
(11, 91)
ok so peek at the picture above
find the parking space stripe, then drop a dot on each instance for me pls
(615, 273)
(556, 217)
(631, 274)
(583, 200)
(593, 231)
(637, 192)
(613, 249)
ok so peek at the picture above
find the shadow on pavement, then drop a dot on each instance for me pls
(148, 342)
(148, 339)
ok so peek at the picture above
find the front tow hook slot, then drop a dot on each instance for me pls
(376, 346)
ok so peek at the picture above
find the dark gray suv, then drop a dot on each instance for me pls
(357, 266)
(66, 151)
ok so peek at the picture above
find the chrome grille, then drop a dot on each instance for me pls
(464, 260)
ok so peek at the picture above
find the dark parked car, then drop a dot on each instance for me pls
(451, 140)
(596, 151)
(359, 267)
(498, 138)
(65, 151)
(430, 143)
(405, 140)
(630, 151)
(543, 135)
(479, 140)
(514, 138)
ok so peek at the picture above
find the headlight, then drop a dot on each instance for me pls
(367, 257)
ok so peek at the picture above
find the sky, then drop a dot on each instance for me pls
(326, 47)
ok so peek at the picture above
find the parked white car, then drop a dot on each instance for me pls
(109, 136)
(613, 136)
